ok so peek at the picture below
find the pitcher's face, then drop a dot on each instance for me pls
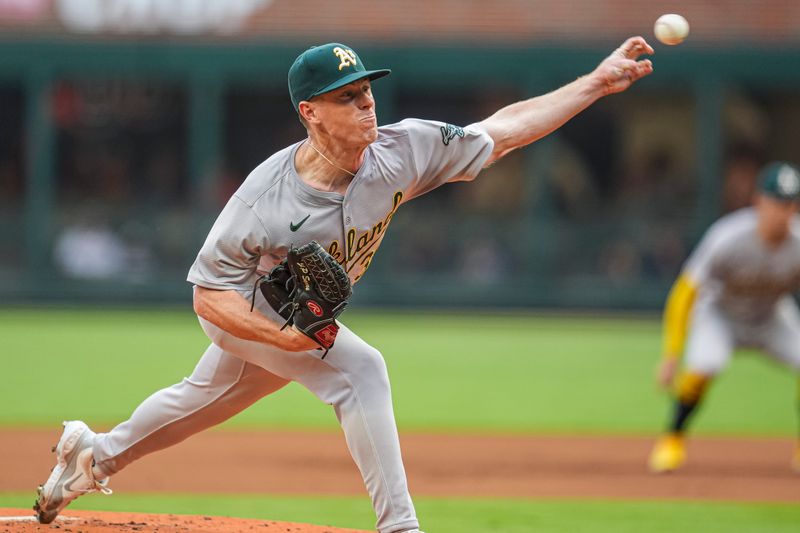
(346, 114)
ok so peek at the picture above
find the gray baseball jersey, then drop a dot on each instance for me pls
(272, 210)
(744, 296)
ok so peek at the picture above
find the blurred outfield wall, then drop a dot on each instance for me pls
(126, 124)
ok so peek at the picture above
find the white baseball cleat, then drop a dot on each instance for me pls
(72, 476)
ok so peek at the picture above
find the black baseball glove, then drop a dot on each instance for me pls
(309, 289)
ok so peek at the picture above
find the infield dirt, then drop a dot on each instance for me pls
(298, 462)
(104, 522)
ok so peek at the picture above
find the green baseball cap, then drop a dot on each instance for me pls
(324, 68)
(780, 180)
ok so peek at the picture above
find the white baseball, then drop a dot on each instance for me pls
(671, 29)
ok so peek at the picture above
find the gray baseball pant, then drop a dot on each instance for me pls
(235, 373)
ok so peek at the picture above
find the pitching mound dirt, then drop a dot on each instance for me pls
(22, 521)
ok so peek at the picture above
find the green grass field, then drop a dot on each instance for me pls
(505, 372)
(450, 372)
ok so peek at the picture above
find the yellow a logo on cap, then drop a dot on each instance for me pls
(347, 57)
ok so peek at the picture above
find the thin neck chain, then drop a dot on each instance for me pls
(331, 163)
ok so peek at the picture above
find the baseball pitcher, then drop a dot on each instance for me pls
(277, 265)
(735, 290)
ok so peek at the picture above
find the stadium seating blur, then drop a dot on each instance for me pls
(125, 125)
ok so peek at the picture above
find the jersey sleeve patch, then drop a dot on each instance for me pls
(450, 132)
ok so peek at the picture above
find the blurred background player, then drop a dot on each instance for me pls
(735, 290)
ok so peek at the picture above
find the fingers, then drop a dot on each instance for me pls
(643, 68)
(634, 47)
(619, 70)
(632, 70)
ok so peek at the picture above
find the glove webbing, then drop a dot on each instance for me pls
(330, 289)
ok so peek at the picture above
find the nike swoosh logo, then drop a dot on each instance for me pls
(68, 484)
(295, 227)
